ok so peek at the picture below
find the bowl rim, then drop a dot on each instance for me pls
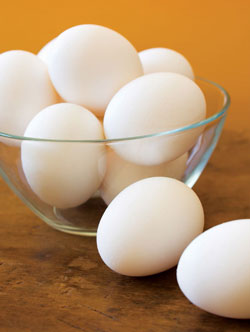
(210, 119)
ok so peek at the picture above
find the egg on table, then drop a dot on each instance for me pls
(121, 173)
(145, 229)
(64, 174)
(149, 105)
(214, 270)
(90, 63)
(162, 59)
(25, 89)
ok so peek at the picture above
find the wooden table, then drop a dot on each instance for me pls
(50, 281)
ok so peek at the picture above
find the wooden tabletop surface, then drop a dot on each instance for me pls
(51, 281)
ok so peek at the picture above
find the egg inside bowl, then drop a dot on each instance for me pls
(83, 218)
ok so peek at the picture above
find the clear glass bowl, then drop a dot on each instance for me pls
(83, 219)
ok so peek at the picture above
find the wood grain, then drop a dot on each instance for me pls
(50, 281)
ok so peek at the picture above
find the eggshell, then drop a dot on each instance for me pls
(152, 104)
(64, 174)
(25, 89)
(90, 63)
(162, 59)
(121, 173)
(214, 270)
(147, 226)
(46, 52)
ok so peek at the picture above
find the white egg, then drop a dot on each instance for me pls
(45, 53)
(121, 173)
(214, 270)
(162, 59)
(147, 226)
(25, 89)
(64, 174)
(90, 63)
(151, 104)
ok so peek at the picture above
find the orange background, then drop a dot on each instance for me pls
(213, 35)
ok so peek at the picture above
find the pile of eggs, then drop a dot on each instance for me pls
(90, 84)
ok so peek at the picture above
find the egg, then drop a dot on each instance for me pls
(147, 226)
(45, 55)
(46, 52)
(152, 104)
(121, 173)
(90, 63)
(25, 89)
(64, 174)
(162, 59)
(214, 270)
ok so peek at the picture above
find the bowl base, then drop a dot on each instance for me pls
(84, 219)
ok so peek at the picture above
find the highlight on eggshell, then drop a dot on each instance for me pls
(152, 104)
(25, 89)
(90, 63)
(64, 174)
(145, 229)
(162, 59)
(214, 270)
(121, 173)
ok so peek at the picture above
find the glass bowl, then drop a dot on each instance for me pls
(197, 142)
